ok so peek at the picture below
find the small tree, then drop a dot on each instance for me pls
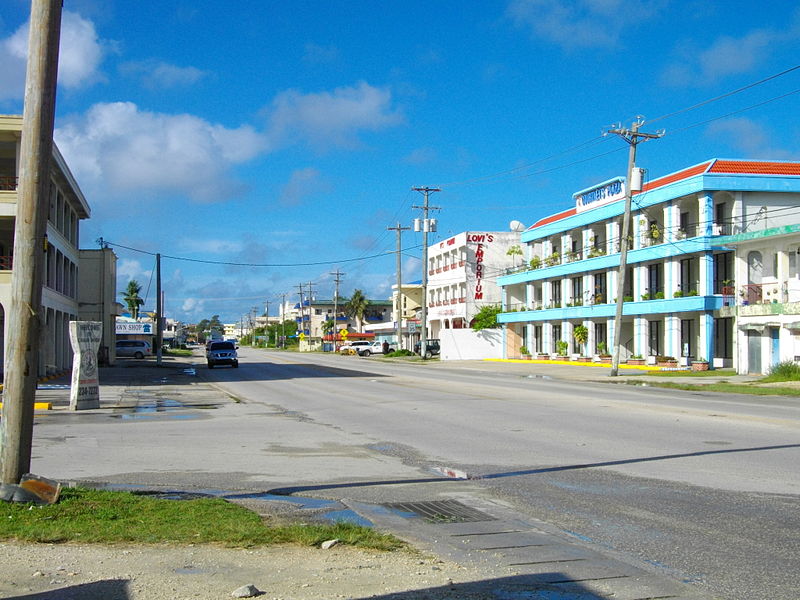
(513, 252)
(486, 317)
(132, 298)
(581, 335)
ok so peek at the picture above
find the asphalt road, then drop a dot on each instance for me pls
(705, 487)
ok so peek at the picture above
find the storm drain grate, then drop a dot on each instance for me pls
(441, 511)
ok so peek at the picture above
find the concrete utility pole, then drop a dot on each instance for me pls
(337, 278)
(25, 315)
(283, 321)
(426, 227)
(399, 308)
(159, 312)
(300, 293)
(633, 137)
(310, 297)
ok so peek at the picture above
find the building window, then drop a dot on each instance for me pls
(537, 338)
(577, 291)
(654, 337)
(556, 336)
(688, 275)
(723, 338)
(600, 336)
(600, 290)
(687, 339)
(655, 279)
(555, 293)
(723, 272)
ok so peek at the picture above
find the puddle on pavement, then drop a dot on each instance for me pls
(536, 377)
(159, 407)
(310, 503)
(346, 516)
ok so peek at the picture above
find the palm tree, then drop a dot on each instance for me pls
(132, 298)
(356, 307)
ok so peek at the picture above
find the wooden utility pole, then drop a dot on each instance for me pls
(159, 313)
(633, 137)
(25, 316)
(398, 315)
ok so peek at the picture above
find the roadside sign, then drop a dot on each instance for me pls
(343, 333)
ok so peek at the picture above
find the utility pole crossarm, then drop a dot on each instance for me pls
(425, 191)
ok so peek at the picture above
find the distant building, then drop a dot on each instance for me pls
(97, 293)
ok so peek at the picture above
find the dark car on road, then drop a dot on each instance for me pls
(222, 353)
(431, 348)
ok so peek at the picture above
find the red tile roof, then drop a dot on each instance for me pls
(554, 218)
(755, 167)
(673, 177)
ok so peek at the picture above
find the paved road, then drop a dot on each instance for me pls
(704, 487)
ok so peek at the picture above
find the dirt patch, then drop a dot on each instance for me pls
(56, 571)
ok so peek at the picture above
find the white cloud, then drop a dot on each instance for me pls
(80, 55)
(123, 149)
(211, 246)
(748, 137)
(301, 184)
(580, 23)
(156, 74)
(328, 119)
(725, 57)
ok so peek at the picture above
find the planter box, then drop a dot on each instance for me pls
(542, 357)
(635, 361)
(670, 364)
(584, 359)
(699, 366)
(605, 359)
(562, 357)
(527, 357)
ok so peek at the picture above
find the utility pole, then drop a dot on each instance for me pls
(300, 293)
(266, 322)
(399, 308)
(633, 137)
(310, 297)
(337, 278)
(25, 315)
(159, 311)
(283, 320)
(426, 225)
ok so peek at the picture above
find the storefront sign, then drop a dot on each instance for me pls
(85, 337)
(134, 328)
(480, 239)
(605, 193)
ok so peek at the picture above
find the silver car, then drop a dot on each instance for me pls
(222, 353)
(134, 348)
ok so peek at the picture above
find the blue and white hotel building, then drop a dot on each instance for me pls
(713, 269)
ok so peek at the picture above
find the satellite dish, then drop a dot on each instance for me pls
(516, 226)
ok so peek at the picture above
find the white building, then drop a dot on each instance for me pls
(67, 206)
(713, 269)
(462, 274)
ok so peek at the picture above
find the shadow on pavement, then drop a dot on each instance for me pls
(107, 589)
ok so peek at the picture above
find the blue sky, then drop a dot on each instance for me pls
(285, 133)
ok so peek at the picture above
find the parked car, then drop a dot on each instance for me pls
(353, 347)
(134, 348)
(373, 348)
(222, 353)
(431, 348)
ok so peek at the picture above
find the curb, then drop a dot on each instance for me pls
(43, 405)
(572, 363)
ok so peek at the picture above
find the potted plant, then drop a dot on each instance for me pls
(677, 294)
(636, 359)
(602, 352)
(562, 347)
(701, 364)
(523, 350)
(580, 334)
(655, 232)
(542, 356)
(536, 262)
(659, 295)
(668, 362)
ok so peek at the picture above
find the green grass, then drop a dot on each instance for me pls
(783, 371)
(99, 516)
(177, 352)
(730, 388)
(709, 373)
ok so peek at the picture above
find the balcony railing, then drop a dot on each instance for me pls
(8, 183)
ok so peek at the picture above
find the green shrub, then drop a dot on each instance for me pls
(787, 370)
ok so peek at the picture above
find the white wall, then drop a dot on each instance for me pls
(467, 344)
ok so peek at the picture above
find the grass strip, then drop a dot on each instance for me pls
(102, 516)
(727, 388)
(709, 373)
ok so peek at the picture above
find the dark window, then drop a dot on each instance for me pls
(689, 268)
(577, 289)
(537, 338)
(600, 335)
(555, 289)
(687, 339)
(600, 288)
(655, 279)
(654, 337)
(556, 335)
(723, 272)
(723, 338)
